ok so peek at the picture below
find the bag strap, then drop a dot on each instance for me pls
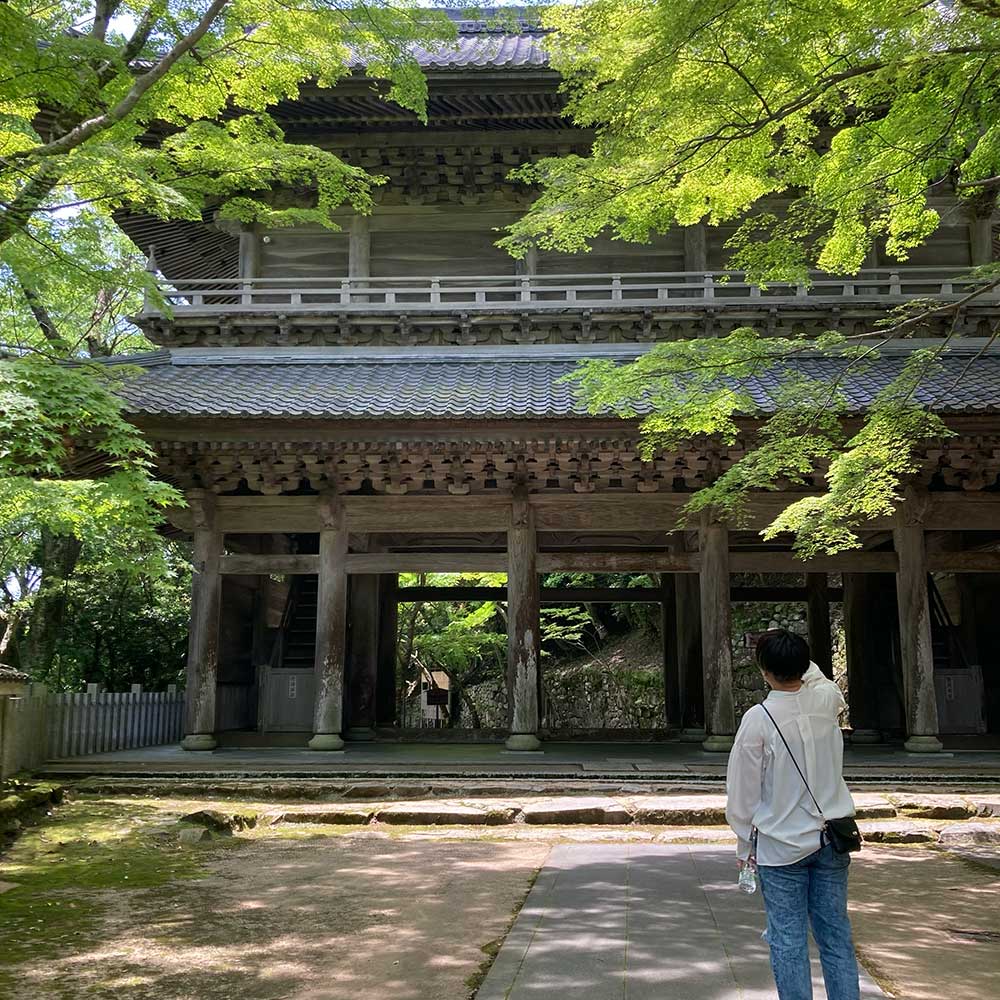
(794, 761)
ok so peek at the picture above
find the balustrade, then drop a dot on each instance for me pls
(555, 293)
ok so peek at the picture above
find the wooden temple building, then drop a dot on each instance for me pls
(340, 407)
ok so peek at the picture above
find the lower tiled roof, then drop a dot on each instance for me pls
(475, 383)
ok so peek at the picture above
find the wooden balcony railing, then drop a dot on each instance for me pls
(680, 290)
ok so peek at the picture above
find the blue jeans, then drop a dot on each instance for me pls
(811, 891)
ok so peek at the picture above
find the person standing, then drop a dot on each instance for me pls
(803, 880)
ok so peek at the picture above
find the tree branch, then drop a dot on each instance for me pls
(104, 10)
(82, 132)
(45, 322)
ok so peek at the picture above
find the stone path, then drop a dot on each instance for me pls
(638, 922)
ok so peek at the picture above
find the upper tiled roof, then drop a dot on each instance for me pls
(471, 384)
(486, 50)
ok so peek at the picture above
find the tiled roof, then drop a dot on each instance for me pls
(472, 384)
(486, 50)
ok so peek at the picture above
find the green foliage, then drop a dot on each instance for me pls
(124, 628)
(850, 113)
(697, 390)
(820, 131)
(160, 107)
(78, 106)
(864, 479)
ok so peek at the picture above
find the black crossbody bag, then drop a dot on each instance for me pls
(843, 834)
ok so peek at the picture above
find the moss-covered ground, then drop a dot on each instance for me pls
(102, 899)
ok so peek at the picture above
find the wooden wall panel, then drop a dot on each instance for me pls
(608, 256)
(303, 252)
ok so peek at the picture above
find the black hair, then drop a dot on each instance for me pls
(783, 654)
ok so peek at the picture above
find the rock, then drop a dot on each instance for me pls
(220, 822)
(934, 806)
(987, 807)
(680, 811)
(379, 791)
(697, 835)
(570, 810)
(194, 835)
(900, 832)
(875, 812)
(435, 814)
(332, 815)
(971, 833)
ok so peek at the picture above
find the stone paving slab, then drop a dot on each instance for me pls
(638, 922)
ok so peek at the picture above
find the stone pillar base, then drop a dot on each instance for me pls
(923, 744)
(860, 737)
(523, 741)
(199, 741)
(360, 734)
(717, 744)
(691, 735)
(326, 741)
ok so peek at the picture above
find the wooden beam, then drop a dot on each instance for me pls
(251, 564)
(964, 562)
(617, 562)
(269, 564)
(427, 513)
(427, 562)
(605, 562)
(605, 595)
(788, 562)
(553, 512)
(596, 511)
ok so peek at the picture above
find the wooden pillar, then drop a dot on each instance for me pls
(917, 654)
(980, 240)
(363, 656)
(687, 590)
(331, 627)
(359, 248)
(385, 675)
(863, 658)
(717, 656)
(695, 249)
(523, 642)
(249, 252)
(818, 621)
(671, 666)
(201, 672)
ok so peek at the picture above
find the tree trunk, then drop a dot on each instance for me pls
(59, 555)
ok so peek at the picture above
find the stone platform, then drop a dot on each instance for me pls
(560, 762)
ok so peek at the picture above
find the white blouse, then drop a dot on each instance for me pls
(764, 789)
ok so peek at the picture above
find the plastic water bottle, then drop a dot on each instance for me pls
(748, 878)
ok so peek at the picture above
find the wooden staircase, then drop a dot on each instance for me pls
(298, 648)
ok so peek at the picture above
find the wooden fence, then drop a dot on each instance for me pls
(39, 725)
